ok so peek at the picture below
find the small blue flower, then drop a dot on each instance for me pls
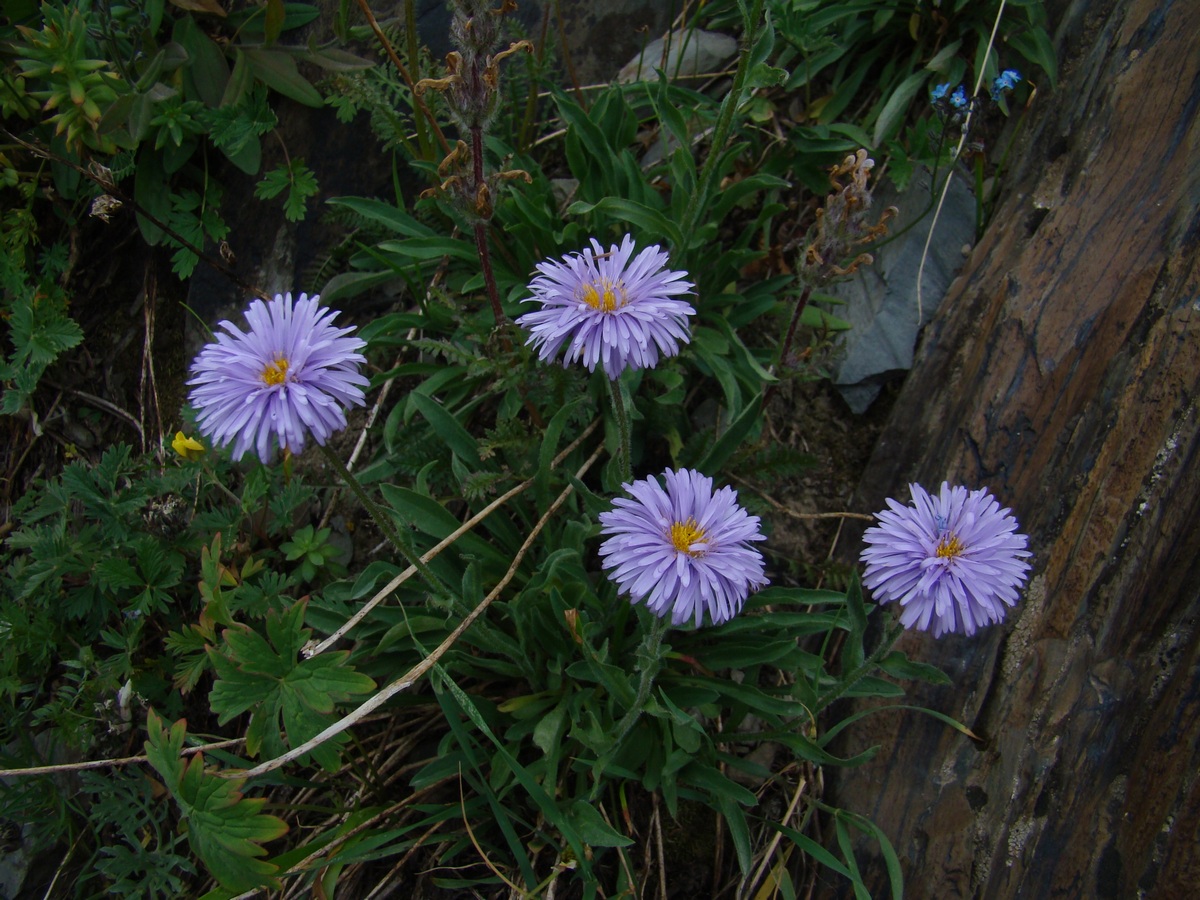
(940, 91)
(959, 99)
(1005, 81)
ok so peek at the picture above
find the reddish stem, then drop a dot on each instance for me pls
(801, 302)
(481, 237)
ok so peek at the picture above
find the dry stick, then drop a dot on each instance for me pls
(481, 225)
(383, 883)
(362, 439)
(801, 303)
(462, 805)
(957, 150)
(749, 886)
(409, 678)
(105, 763)
(109, 406)
(658, 847)
(442, 545)
(796, 515)
(150, 293)
(341, 839)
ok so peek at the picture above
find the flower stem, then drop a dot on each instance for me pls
(801, 303)
(384, 522)
(857, 674)
(481, 240)
(622, 414)
(649, 656)
(649, 662)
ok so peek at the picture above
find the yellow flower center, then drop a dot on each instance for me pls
(276, 372)
(605, 296)
(950, 547)
(685, 534)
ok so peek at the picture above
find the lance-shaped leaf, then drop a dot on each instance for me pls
(282, 693)
(224, 828)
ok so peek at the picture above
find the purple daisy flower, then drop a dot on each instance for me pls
(616, 311)
(953, 561)
(289, 376)
(683, 550)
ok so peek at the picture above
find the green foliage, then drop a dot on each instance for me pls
(141, 857)
(196, 219)
(265, 679)
(39, 328)
(78, 87)
(294, 177)
(225, 829)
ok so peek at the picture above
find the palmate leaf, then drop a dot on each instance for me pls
(40, 333)
(294, 177)
(225, 829)
(280, 692)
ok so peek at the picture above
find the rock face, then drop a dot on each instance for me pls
(1062, 371)
(881, 299)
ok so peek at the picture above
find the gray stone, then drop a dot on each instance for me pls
(881, 299)
(679, 55)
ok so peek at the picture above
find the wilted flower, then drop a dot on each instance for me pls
(616, 311)
(683, 550)
(954, 561)
(289, 376)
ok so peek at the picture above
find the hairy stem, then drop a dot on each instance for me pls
(790, 337)
(622, 415)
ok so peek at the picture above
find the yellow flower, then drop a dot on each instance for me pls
(188, 448)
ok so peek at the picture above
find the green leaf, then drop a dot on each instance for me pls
(265, 679)
(898, 665)
(273, 20)
(739, 831)
(890, 859)
(852, 652)
(549, 808)
(238, 83)
(453, 435)
(40, 332)
(225, 829)
(333, 59)
(847, 848)
(592, 827)
(294, 177)
(207, 66)
(431, 248)
(811, 848)
(651, 223)
(278, 71)
(385, 214)
(894, 110)
(728, 443)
